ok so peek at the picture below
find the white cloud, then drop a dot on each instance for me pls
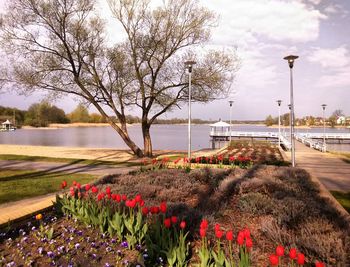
(272, 19)
(339, 79)
(330, 58)
(315, 2)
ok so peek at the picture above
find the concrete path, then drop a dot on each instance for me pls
(330, 170)
(52, 167)
(23, 208)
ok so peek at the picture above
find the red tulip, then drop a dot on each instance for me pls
(118, 198)
(319, 264)
(229, 235)
(202, 232)
(100, 196)
(130, 203)
(87, 187)
(248, 243)
(240, 240)
(63, 184)
(74, 183)
(174, 219)
(279, 251)
(219, 234)
(300, 259)
(94, 189)
(138, 198)
(246, 233)
(108, 190)
(155, 210)
(204, 224)
(109, 196)
(124, 197)
(72, 193)
(167, 223)
(217, 227)
(292, 253)
(182, 224)
(78, 185)
(162, 207)
(145, 211)
(273, 260)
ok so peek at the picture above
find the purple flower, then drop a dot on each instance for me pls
(24, 239)
(114, 241)
(138, 247)
(61, 249)
(126, 262)
(124, 244)
(119, 253)
(77, 246)
(50, 254)
(93, 244)
(33, 228)
(145, 256)
(10, 264)
(70, 264)
(40, 250)
(80, 233)
(94, 256)
(108, 249)
(107, 264)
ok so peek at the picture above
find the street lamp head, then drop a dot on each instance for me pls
(323, 106)
(231, 102)
(290, 60)
(279, 102)
(189, 64)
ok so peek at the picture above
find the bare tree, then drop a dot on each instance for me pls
(58, 46)
(157, 44)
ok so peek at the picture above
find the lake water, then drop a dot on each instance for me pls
(163, 136)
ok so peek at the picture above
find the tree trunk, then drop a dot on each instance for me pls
(125, 136)
(147, 142)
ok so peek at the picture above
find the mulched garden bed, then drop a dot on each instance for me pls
(279, 205)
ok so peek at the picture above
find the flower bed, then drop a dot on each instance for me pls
(174, 218)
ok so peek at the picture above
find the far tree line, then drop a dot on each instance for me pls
(308, 120)
(44, 113)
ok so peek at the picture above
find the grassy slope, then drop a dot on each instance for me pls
(17, 185)
(343, 199)
(66, 160)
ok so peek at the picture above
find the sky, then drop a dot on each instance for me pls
(265, 31)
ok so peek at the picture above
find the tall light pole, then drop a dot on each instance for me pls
(279, 122)
(231, 103)
(324, 128)
(189, 64)
(290, 60)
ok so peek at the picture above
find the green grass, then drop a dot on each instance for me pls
(343, 199)
(17, 185)
(67, 160)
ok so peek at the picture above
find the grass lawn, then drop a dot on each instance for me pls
(66, 160)
(343, 155)
(343, 199)
(17, 185)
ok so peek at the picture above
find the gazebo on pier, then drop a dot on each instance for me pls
(7, 126)
(219, 132)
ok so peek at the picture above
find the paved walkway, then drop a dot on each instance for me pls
(23, 208)
(330, 170)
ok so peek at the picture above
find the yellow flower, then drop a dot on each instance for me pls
(39, 216)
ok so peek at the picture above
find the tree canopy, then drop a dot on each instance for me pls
(60, 46)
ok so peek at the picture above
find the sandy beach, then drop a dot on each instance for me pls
(119, 155)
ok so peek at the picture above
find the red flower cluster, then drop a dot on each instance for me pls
(218, 232)
(244, 235)
(293, 255)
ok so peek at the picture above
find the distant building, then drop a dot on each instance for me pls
(341, 120)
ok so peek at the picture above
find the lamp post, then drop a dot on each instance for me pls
(324, 128)
(231, 103)
(279, 122)
(290, 60)
(189, 64)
